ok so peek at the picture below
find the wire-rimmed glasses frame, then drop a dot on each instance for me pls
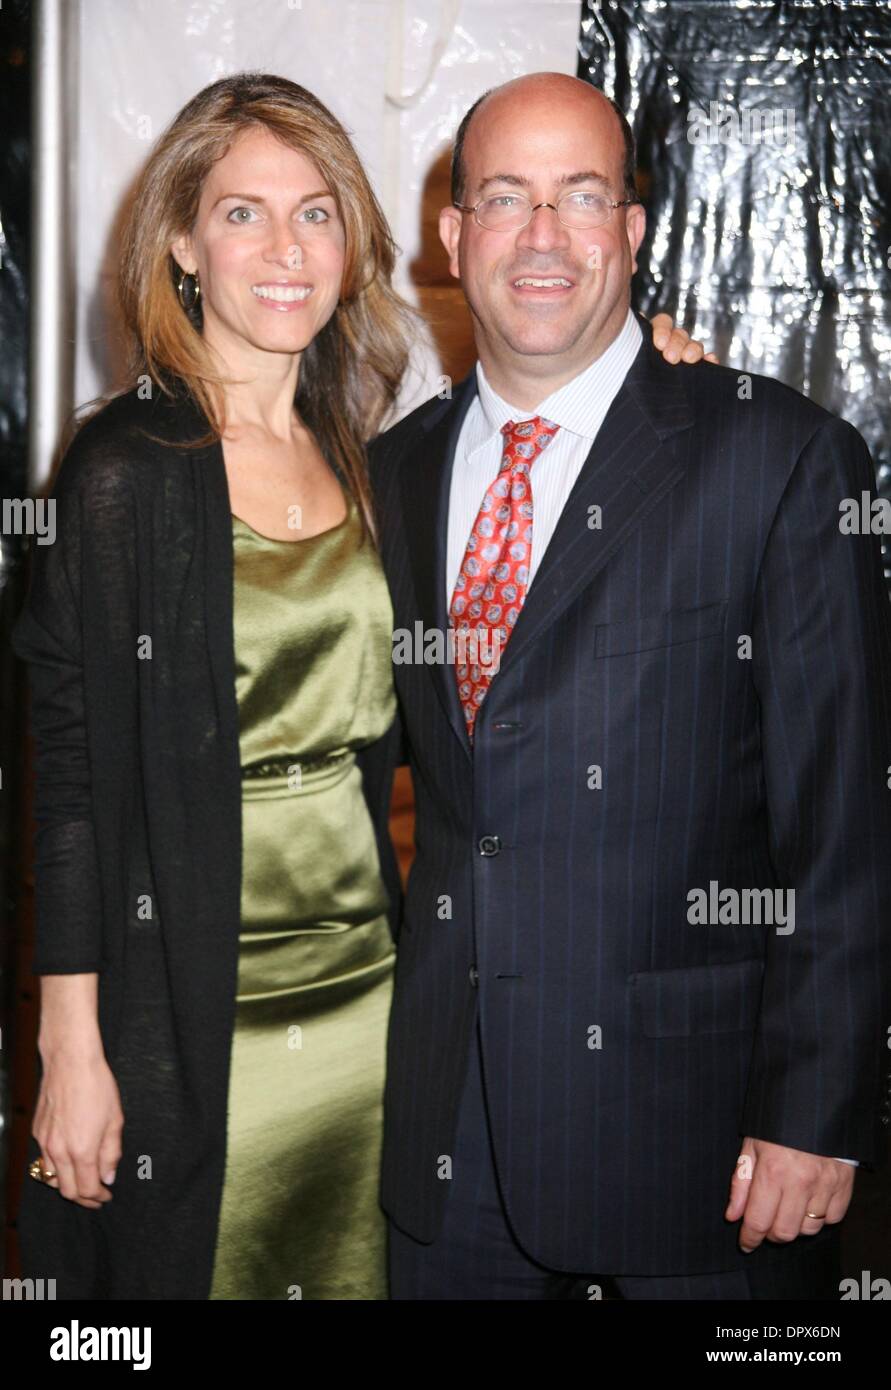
(601, 214)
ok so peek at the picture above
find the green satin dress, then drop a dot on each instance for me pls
(300, 1215)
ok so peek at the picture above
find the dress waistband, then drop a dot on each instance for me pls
(281, 767)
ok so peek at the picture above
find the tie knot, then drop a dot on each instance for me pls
(524, 442)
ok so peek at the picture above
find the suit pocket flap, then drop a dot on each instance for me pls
(663, 630)
(722, 998)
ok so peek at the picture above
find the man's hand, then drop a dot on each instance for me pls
(675, 344)
(774, 1188)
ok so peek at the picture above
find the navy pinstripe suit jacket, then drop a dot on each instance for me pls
(627, 1048)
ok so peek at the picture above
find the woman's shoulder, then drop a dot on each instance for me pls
(126, 438)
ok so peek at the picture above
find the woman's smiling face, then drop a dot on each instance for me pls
(268, 246)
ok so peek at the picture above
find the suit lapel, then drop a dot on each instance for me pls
(426, 482)
(629, 469)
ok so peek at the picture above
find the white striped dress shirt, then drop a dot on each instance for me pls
(578, 408)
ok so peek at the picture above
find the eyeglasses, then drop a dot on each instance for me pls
(508, 212)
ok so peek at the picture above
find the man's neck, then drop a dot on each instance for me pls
(526, 381)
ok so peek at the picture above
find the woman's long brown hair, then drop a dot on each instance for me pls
(351, 371)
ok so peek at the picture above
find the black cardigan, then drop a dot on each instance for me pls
(138, 792)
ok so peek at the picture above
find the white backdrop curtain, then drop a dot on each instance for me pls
(398, 73)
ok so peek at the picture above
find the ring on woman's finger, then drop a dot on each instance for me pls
(37, 1170)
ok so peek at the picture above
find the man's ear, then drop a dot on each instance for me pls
(450, 235)
(182, 253)
(635, 226)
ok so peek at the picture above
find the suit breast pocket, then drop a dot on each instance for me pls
(643, 672)
(662, 630)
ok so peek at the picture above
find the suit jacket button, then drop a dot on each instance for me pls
(474, 976)
(489, 845)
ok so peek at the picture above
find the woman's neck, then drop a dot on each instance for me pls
(260, 387)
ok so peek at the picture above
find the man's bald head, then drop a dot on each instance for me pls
(550, 86)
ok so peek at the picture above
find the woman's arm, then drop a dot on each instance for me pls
(78, 1117)
(49, 637)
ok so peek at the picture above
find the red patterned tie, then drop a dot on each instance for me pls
(491, 585)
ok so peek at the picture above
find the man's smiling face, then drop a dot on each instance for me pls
(546, 299)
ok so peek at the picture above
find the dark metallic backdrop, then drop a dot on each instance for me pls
(764, 162)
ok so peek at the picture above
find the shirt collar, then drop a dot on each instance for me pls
(579, 405)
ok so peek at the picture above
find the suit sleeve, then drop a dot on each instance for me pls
(93, 536)
(822, 671)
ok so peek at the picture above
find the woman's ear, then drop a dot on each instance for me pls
(182, 253)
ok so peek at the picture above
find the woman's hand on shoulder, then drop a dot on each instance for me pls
(675, 344)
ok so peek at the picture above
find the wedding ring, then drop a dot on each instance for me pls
(815, 1215)
(37, 1170)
